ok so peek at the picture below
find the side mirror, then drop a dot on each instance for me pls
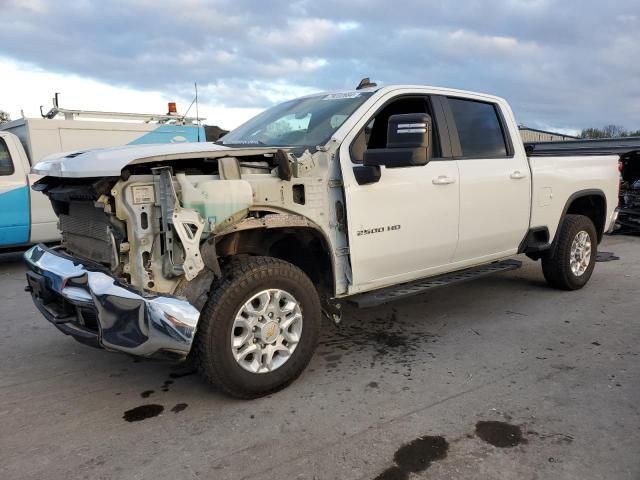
(367, 174)
(408, 143)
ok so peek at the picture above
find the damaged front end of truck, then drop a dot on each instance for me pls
(141, 250)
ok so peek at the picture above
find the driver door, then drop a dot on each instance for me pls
(404, 226)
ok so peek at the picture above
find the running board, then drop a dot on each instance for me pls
(384, 295)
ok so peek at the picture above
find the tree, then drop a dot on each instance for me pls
(608, 131)
(613, 131)
(4, 117)
(592, 133)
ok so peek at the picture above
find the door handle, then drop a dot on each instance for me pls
(517, 175)
(443, 180)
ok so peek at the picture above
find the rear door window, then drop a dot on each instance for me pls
(6, 165)
(479, 128)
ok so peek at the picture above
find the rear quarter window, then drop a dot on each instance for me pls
(479, 128)
(6, 165)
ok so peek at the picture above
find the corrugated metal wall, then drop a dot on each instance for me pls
(529, 135)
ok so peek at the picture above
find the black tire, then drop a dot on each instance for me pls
(556, 265)
(242, 279)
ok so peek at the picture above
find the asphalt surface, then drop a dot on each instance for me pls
(502, 378)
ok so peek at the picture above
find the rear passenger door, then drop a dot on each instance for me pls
(495, 183)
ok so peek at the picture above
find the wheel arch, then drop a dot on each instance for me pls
(289, 237)
(591, 203)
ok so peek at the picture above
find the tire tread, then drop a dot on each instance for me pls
(237, 276)
(556, 270)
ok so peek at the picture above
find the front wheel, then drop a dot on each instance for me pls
(260, 327)
(570, 264)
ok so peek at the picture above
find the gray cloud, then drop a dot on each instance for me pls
(565, 64)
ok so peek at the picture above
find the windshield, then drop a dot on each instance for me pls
(308, 121)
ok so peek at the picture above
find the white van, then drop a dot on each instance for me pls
(26, 216)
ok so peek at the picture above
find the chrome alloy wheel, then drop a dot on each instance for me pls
(580, 255)
(266, 331)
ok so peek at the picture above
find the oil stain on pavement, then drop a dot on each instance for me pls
(415, 457)
(182, 373)
(177, 408)
(146, 393)
(606, 257)
(165, 385)
(143, 412)
(500, 434)
(388, 341)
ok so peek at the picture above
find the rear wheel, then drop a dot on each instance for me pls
(570, 264)
(259, 328)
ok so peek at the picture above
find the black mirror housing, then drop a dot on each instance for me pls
(367, 174)
(408, 142)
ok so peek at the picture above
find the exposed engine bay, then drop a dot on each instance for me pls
(147, 227)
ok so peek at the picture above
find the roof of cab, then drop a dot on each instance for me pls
(390, 88)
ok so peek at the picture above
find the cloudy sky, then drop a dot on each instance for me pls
(564, 64)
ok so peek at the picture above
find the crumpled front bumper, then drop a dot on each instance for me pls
(96, 309)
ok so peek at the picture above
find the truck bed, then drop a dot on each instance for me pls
(627, 149)
(604, 146)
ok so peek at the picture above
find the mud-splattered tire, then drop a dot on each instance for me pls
(229, 326)
(567, 267)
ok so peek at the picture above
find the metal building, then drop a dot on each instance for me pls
(535, 135)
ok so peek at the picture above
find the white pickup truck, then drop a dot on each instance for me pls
(229, 253)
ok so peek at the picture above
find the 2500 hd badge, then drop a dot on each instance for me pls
(369, 231)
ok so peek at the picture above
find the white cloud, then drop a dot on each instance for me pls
(35, 6)
(300, 33)
(569, 64)
(346, 26)
(285, 66)
(26, 87)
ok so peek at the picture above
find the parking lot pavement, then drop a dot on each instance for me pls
(498, 378)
